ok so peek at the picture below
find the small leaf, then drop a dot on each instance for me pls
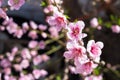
(108, 24)
(100, 21)
(118, 21)
(97, 71)
(112, 17)
(58, 77)
(67, 16)
(43, 3)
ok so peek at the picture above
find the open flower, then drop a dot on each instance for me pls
(1, 2)
(94, 49)
(58, 20)
(75, 31)
(74, 50)
(93, 77)
(39, 73)
(15, 4)
(85, 68)
(115, 29)
(94, 22)
(3, 14)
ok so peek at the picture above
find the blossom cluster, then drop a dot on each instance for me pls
(95, 24)
(84, 59)
(20, 61)
(13, 5)
(25, 63)
(18, 31)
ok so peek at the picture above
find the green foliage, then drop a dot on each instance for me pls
(67, 16)
(97, 71)
(58, 77)
(108, 24)
(100, 20)
(43, 4)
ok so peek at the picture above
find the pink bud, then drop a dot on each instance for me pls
(94, 23)
(32, 44)
(33, 25)
(115, 29)
(33, 34)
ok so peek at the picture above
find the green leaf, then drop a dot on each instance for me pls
(43, 3)
(118, 21)
(97, 71)
(108, 24)
(112, 17)
(100, 21)
(58, 77)
(67, 16)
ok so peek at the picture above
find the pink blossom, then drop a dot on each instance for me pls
(2, 28)
(115, 29)
(0, 75)
(15, 4)
(7, 71)
(33, 34)
(93, 77)
(7, 22)
(25, 27)
(33, 52)
(17, 67)
(99, 27)
(85, 68)
(1, 1)
(75, 31)
(57, 1)
(39, 73)
(18, 33)
(74, 51)
(43, 72)
(45, 57)
(36, 73)
(33, 25)
(42, 44)
(7, 77)
(44, 35)
(25, 53)
(30, 76)
(14, 50)
(32, 44)
(50, 8)
(26, 77)
(24, 63)
(12, 27)
(5, 63)
(3, 14)
(94, 23)
(54, 32)
(10, 56)
(37, 60)
(42, 27)
(94, 49)
(58, 20)
(72, 69)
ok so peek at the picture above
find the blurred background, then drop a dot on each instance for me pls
(76, 9)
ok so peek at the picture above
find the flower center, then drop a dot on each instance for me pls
(75, 31)
(94, 50)
(60, 20)
(16, 1)
(87, 66)
(77, 52)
